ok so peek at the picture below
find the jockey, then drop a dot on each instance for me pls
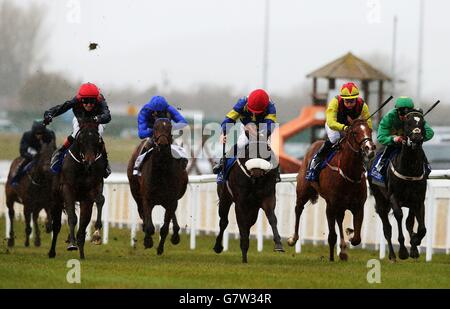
(89, 103)
(390, 131)
(347, 104)
(30, 145)
(255, 109)
(156, 108)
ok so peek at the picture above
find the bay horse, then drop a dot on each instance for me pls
(81, 179)
(406, 185)
(251, 186)
(163, 181)
(33, 192)
(342, 183)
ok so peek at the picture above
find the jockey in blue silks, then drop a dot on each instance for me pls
(156, 108)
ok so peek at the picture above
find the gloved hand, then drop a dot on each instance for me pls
(223, 139)
(47, 118)
(96, 119)
(398, 139)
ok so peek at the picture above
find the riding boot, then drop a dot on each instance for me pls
(384, 158)
(18, 172)
(278, 176)
(108, 167)
(316, 162)
(139, 160)
(218, 166)
(59, 153)
(427, 167)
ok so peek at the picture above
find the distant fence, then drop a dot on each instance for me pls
(197, 213)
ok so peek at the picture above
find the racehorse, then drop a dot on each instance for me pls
(406, 185)
(81, 179)
(33, 192)
(163, 181)
(251, 186)
(342, 183)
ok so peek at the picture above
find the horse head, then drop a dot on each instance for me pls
(260, 158)
(359, 137)
(162, 133)
(89, 143)
(414, 129)
(40, 171)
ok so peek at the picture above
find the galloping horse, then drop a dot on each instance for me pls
(33, 192)
(163, 181)
(251, 186)
(406, 186)
(342, 184)
(81, 179)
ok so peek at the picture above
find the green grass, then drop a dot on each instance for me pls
(119, 149)
(117, 265)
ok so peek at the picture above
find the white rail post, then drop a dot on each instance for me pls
(226, 240)
(194, 206)
(132, 210)
(447, 249)
(259, 231)
(105, 214)
(430, 219)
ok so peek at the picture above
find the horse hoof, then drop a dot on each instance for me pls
(10, 242)
(148, 243)
(414, 253)
(291, 241)
(355, 241)
(160, 250)
(37, 242)
(175, 239)
(72, 247)
(403, 253)
(218, 248)
(96, 239)
(51, 255)
(27, 243)
(343, 256)
(278, 248)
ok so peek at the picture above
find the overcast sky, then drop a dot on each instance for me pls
(206, 41)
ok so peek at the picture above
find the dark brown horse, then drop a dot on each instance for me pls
(342, 183)
(33, 192)
(81, 179)
(251, 186)
(406, 187)
(163, 181)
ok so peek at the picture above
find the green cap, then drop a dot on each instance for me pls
(405, 102)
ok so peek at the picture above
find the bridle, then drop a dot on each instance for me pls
(353, 136)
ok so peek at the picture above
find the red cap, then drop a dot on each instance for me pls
(88, 90)
(258, 100)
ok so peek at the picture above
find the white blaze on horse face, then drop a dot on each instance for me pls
(417, 119)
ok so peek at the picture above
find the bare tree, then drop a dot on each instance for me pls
(20, 30)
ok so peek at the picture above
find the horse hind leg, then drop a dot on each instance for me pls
(56, 227)
(416, 238)
(343, 256)
(149, 228)
(383, 212)
(225, 202)
(403, 253)
(96, 236)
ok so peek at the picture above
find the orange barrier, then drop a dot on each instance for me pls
(309, 116)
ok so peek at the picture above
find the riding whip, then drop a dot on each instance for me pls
(431, 108)
(382, 105)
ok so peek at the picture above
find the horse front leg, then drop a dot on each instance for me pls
(403, 253)
(416, 238)
(11, 214)
(269, 209)
(225, 202)
(244, 231)
(85, 218)
(175, 239)
(168, 215)
(149, 228)
(37, 230)
(28, 230)
(69, 202)
(332, 236)
(56, 227)
(343, 254)
(301, 200)
(96, 237)
(358, 217)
